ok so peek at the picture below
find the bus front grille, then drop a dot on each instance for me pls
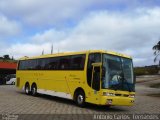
(124, 95)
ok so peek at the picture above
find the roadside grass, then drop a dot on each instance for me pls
(157, 85)
(154, 95)
(141, 81)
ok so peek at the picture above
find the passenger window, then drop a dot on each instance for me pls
(38, 66)
(64, 63)
(45, 64)
(74, 62)
(21, 65)
(53, 64)
(77, 62)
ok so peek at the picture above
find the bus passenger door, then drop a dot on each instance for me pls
(95, 84)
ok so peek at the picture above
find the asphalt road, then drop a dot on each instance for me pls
(14, 101)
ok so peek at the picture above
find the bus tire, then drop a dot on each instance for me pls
(34, 89)
(80, 98)
(13, 83)
(27, 88)
(108, 107)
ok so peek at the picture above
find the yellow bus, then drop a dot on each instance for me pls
(94, 76)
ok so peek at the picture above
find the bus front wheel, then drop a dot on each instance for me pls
(80, 98)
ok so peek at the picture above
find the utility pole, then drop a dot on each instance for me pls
(58, 50)
(43, 52)
(52, 49)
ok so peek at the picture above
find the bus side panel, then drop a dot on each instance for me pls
(53, 80)
(76, 79)
(60, 81)
(27, 76)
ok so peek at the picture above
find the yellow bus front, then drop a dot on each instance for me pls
(112, 80)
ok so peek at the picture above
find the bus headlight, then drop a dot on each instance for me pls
(109, 101)
(108, 94)
(132, 96)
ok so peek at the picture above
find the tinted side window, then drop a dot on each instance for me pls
(77, 62)
(74, 62)
(64, 63)
(38, 66)
(53, 63)
(93, 58)
(32, 64)
(21, 65)
(28, 65)
(41, 64)
(46, 64)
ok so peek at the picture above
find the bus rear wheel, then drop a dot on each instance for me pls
(13, 83)
(34, 89)
(27, 88)
(80, 98)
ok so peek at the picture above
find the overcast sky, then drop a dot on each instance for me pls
(126, 26)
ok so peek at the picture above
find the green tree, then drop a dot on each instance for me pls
(6, 57)
(156, 49)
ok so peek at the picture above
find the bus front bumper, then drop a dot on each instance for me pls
(117, 100)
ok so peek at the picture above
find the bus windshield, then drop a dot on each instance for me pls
(117, 73)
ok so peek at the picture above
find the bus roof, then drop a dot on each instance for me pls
(73, 53)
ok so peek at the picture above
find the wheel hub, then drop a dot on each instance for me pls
(27, 90)
(80, 99)
(34, 90)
